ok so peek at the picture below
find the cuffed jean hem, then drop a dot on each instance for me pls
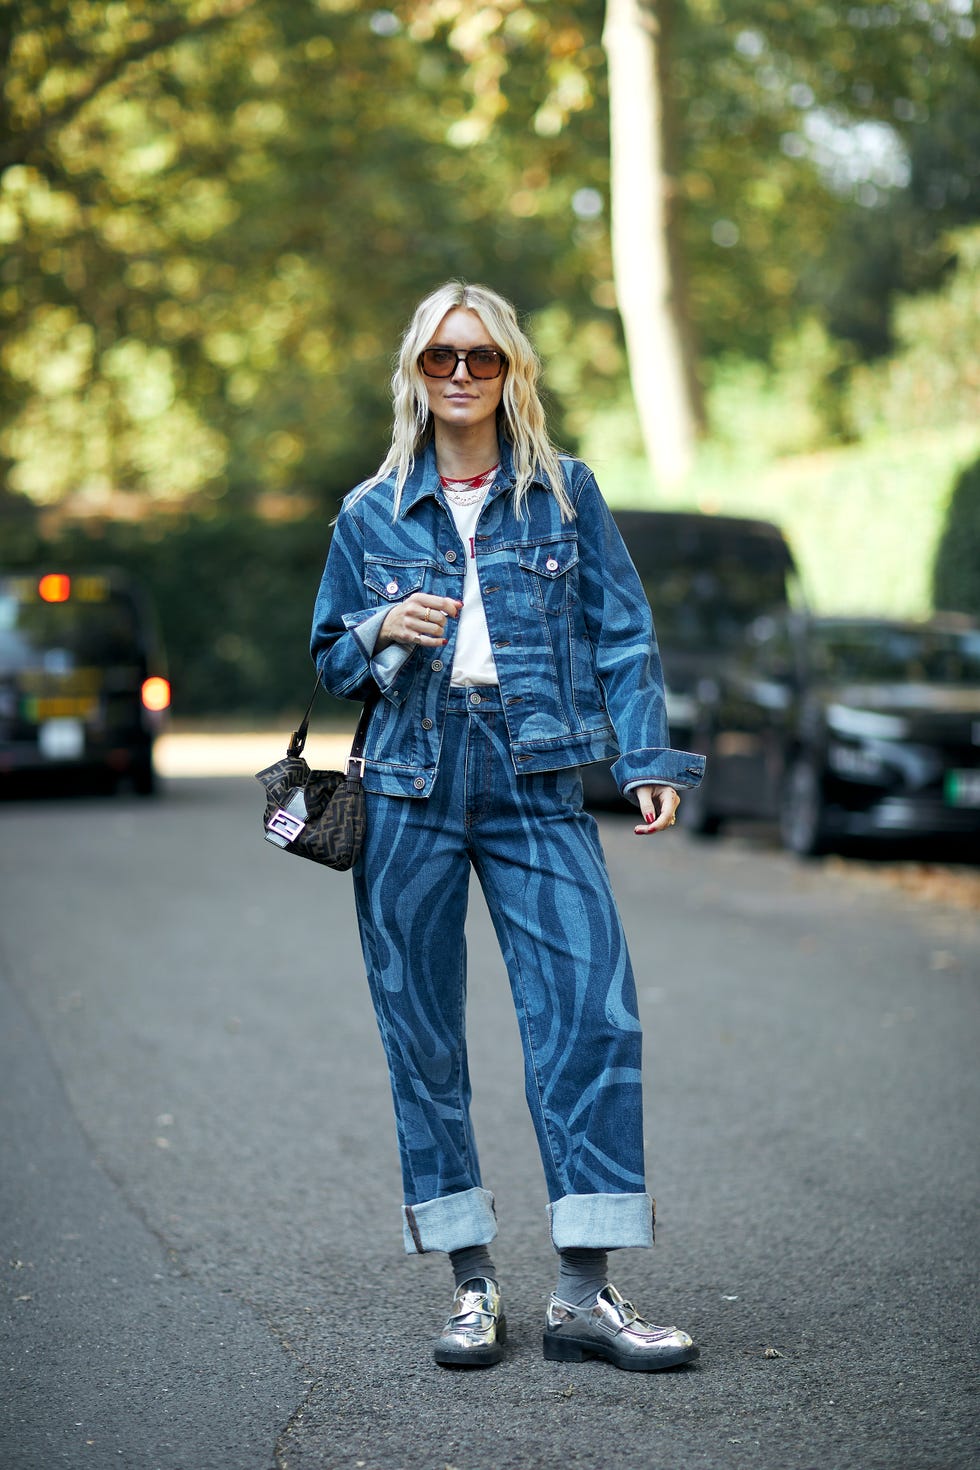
(601, 1221)
(449, 1223)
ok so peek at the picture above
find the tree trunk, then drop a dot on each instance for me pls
(646, 260)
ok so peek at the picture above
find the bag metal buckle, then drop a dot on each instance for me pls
(287, 822)
(354, 760)
(284, 825)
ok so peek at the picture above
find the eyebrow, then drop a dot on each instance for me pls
(479, 347)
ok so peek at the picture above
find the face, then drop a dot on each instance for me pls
(462, 401)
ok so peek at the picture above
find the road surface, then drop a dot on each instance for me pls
(199, 1187)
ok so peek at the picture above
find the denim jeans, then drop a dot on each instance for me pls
(538, 858)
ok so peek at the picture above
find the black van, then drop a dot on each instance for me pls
(707, 578)
(83, 686)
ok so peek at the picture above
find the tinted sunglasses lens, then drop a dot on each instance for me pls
(438, 362)
(481, 362)
(484, 363)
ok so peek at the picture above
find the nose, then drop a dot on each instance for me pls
(460, 363)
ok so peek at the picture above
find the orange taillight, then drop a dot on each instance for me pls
(156, 693)
(54, 587)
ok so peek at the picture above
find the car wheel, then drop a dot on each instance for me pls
(803, 813)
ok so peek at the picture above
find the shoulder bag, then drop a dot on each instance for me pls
(318, 815)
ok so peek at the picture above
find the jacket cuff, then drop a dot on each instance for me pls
(386, 665)
(681, 769)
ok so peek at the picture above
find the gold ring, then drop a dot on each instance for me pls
(672, 821)
(428, 613)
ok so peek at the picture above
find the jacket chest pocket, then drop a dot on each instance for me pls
(391, 582)
(549, 574)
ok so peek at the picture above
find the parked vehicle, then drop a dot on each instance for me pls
(844, 728)
(707, 579)
(83, 686)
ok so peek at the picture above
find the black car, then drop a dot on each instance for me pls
(845, 728)
(83, 687)
(707, 579)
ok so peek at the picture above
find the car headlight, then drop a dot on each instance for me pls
(868, 724)
(855, 762)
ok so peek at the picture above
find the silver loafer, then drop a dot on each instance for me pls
(612, 1329)
(477, 1329)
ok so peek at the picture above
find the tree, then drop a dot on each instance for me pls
(650, 279)
(215, 214)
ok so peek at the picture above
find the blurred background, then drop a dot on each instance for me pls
(217, 215)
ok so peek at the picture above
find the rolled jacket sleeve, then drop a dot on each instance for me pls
(627, 657)
(343, 642)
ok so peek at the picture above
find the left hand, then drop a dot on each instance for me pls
(658, 807)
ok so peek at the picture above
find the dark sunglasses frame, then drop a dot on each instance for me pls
(464, 357)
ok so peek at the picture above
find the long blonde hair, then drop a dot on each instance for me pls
(521, 416)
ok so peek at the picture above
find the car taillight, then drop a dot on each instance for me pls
(156, 693)
(54, 587)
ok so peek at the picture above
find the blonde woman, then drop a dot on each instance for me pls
(478, 585)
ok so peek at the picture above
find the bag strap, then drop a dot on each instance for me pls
(356, 757)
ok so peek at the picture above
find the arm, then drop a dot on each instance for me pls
(345, 641)
(620, 628)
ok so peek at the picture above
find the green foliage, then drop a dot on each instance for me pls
(789, 406)
(956, 575)
(933, 379)
(864, 519)
(214, 217)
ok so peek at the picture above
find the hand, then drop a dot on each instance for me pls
(421, 618)
(658, 808)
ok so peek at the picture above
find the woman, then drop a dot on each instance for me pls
(477, 585)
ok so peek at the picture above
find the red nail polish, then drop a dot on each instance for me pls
(649, 817)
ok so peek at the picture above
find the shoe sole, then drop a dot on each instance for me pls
(576, 1350)
(482, 1357)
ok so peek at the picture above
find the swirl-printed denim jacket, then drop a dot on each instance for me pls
(570, 627)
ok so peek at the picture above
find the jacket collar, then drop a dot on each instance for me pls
(424, 478)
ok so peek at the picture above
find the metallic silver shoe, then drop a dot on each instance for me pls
(475, 1333)
(612, 1329)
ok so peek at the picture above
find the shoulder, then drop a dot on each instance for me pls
(370, 497)
(580, 478)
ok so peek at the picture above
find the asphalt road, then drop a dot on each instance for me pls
(199, 1190)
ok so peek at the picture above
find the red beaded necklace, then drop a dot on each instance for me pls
(474, 481)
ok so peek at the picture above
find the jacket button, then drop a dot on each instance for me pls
(419, 783)
(437, 666)
(391, 588)
(551, 565)
(426, 723)
(450, 556)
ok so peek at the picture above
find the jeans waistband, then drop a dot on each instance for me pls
(474, 698)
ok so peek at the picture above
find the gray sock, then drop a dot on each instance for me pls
(472, 1260)
(581, 1276)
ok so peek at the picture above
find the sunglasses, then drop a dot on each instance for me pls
(481, 362)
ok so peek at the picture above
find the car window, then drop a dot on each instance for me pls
(96, 626)
(879, 653)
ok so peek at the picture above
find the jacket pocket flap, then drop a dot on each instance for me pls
(392, 580)
(552, 560)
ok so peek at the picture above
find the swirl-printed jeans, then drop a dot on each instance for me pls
(540, 864)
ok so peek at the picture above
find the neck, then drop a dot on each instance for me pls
(463, 453)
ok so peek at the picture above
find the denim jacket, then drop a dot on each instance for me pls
(570, 627)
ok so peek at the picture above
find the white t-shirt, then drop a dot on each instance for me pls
(473, 657)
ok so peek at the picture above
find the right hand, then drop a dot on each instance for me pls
(421, 619)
